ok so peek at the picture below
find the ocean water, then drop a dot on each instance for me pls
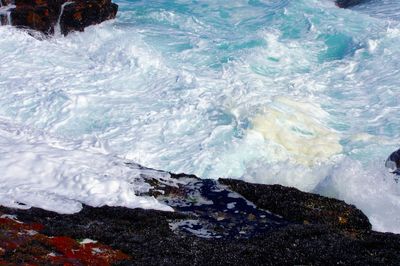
(299, 93)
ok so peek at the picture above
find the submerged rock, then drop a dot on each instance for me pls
(224, 222)
(56, 16)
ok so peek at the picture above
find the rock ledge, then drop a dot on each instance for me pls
(224, 222)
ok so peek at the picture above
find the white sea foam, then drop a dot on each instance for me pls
(371, 188)
(39, 171)
(191, 87)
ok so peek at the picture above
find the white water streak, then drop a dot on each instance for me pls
(6, 11)
(57, 29)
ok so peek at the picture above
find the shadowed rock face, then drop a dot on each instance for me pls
(281, 225)
(58, 16)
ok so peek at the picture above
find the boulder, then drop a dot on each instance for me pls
(57, 16)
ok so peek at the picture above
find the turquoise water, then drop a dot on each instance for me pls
(299, 93)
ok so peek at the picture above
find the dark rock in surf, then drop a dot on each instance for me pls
(78, 15)
(61, 16)
(347, 3)
(393, 162)
(39, 18)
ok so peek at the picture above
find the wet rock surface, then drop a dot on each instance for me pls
(215, 211)
(301, 207)
(56, 16)
(284, 226)
(393, 163)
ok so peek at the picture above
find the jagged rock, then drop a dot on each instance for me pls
(78, 15)
(57, 16)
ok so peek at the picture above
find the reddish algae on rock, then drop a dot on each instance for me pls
(23, 244)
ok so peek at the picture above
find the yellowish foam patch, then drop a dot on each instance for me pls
(297, 127)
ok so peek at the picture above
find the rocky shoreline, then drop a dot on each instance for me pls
(224, 222)
(64, 16)
(215, 222)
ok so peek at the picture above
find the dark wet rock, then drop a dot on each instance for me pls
(298, 228)
(393, 162)
(347, 3)
(38, 18)
(78, 15)
(216, 211)
(63, 16)
(146, 237)
(298, 206)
